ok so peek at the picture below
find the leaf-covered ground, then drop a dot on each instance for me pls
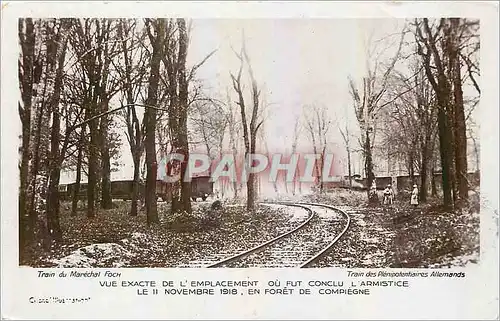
(115, 239)
(379, 236)
(403, 236)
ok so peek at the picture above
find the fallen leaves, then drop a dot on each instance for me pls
(115, 239)
(391, 236)
(403, 236)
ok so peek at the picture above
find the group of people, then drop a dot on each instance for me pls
(388, 193)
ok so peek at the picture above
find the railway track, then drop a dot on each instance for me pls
(301, 246)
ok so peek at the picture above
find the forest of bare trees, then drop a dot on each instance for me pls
(412, 109)
(80, 79)
(76, 75)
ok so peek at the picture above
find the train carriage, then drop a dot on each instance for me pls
(66, 191)
(201, 187)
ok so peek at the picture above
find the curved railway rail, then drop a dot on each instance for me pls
(301, 246)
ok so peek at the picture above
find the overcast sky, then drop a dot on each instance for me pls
(296, 62)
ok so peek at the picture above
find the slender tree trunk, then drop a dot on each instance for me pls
(349, 166)
(53, 203)
(235, 153)
(251, 191)
(476, 152)
(38, 154)
(76, 190)
(94, 144)
(135, 184)
(459, 120)
(232, 139)
(433, 175)
(370, 176)
(423, 175)
(315, 151)
(183, 107)
(411, 171)
(48, 100)
(133, 125)
(322, 160)
(441, 87)
(93, 167)
(107, 202)
(444, 143)
(150, 118)
(106, 180)
(251, 184)
(27, 40)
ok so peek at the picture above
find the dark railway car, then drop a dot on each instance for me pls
(123, 189)
(63, 192)
(201, 186)
(66, 191)
(163, 191)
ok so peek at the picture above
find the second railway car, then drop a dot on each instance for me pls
(201, 187)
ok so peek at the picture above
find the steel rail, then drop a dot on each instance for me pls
(263, 245)
(332, 243)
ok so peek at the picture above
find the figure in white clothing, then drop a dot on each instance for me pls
(414, 196)
(388, 195)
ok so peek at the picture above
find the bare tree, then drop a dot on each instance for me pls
(367, 103)
(346, 137)
(233, 134)
(156, 29)
(27, 62)
(249, 129)
(56, 153)
(440, 45)
(94, 44)
(43, 49)
(318, 124)
(132, 75)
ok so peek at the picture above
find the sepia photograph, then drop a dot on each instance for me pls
(248, 143)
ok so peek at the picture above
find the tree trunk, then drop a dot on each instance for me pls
(251, 192)
(150, 119)
(476, 153)
(459, 120)
(46, 98)
(135, 184)
(27, 40)
(183, 108)
(423, 175)
(411, 171)
(322, 164)
(349, 166)
(93, 167)
(433, 176)
(442, 89)
(39, 154)
(76, 190)
(444, 149)
(94, 146)
(106, 201)
(133, 125)
(232, 138)
(251, 195)
(53, 204)
(370, 176)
